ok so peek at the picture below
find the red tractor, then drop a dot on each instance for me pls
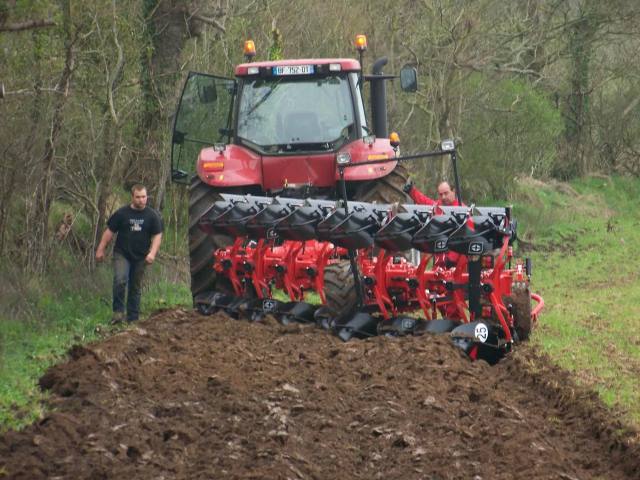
(295, 192)
(277, 130)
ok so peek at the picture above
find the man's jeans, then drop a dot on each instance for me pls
(127, 274)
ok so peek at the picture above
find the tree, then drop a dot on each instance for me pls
(38, 217)
(167, 26)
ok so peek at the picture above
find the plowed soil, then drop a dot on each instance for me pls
(185, 396)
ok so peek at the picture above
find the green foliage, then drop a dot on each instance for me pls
(164, 294)
(512, 131)
(176, 219)
(81, 223)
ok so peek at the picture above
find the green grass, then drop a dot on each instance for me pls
(585, 267)
(28, 349)
(59, 319)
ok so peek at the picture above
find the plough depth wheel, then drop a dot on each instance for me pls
(340, 290)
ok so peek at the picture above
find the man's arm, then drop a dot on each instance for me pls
(419, 197)
(155, 246)
(107, 236)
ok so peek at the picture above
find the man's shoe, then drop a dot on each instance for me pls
(118, 317)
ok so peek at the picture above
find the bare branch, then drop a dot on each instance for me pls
(32, 91)
(27, 25)
(210, 21)
(632, 105)
(117, 72)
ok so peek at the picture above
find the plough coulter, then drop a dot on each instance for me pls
(354, 256)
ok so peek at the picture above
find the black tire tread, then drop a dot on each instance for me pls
(339, 289)
(201, 245)
(387, 189)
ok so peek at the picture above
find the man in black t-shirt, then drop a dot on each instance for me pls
(139, 233)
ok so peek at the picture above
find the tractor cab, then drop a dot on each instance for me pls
(279, 125)
(299, 106)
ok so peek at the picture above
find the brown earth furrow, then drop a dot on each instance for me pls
(186, 396)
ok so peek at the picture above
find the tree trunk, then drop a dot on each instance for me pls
(578, 115)
(8, 184)
(169, 24)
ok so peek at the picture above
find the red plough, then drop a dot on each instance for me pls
(467, 282)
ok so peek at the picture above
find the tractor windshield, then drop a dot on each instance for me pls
(279, 115)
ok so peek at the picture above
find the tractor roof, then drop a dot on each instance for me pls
(347, 64)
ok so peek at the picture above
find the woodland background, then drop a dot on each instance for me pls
(529, 88)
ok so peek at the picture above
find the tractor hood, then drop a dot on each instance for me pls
(237, 165)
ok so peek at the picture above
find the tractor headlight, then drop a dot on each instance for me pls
(343, 158)
(448, 146)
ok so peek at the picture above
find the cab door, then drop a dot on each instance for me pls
(203, 118)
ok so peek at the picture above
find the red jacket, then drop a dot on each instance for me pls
(421, 199)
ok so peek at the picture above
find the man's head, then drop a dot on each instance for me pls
(446, 196)
(138, 196)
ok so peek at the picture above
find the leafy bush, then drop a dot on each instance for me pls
(512, 131)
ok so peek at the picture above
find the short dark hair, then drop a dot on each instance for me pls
(137, 187)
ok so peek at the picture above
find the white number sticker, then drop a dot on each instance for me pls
(482, 332)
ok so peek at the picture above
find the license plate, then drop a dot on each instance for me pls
(293, 70)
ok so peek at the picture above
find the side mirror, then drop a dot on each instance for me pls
(207, 93)
(409, 78)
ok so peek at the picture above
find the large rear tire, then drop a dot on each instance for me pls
(520, 301)
(202, 245)
(386, 189)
